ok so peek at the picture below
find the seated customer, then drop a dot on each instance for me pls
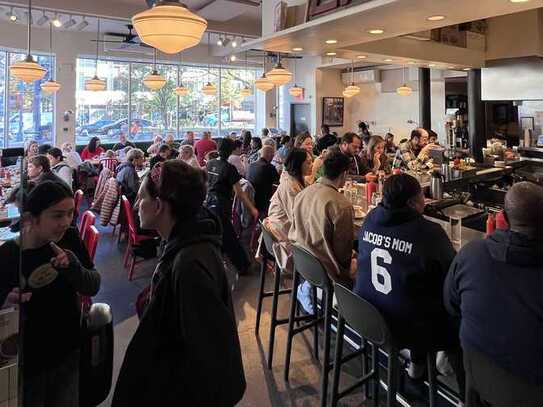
(326, 140)
(323, 219)
(59, 167)
(374, 157)
(263, 175)
(494, 286)
(186, 350)
(350, 145)
(127, 174)
(39, 170)
(408, 153)
(123, 143)
(390, 147)
(186, 154)
(402, 263)
(164, 153)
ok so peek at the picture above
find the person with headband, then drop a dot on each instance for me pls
(186, 350)
(56, 268)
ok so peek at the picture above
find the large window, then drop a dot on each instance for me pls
(128, 106)
(25, 111)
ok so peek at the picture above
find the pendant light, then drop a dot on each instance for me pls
(181, 90)
(404, 90)
(246, 91)
(347, 94)
(352, 89)
(28, 70)
(278, 75)
(154, 80)
(263, 84)
(95, 84)
(209, 89)
(295, 91)
(51, 86)
(169, 26)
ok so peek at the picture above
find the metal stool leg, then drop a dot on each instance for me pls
(337, 360)
(432, 380)
(290, 335)
(375, 368)
(260, 294)
(273, 322)
(316, 328)
(393, 365)
(327, 336)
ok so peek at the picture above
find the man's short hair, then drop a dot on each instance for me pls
(56, 153)
(134, 154)
(41, 161)
(349, 137)
(164, 148)
(399, 189)
(523, 203)
(415, 133)
(335, 164)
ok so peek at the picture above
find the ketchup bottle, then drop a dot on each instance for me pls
(490, 224)
(371, 188)
(501, 222)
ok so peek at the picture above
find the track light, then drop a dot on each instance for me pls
(234, 43)
(43, 19)
(71, 22)
(233, 58)
(225, 41)
(82, 25)
(220, 42)
(11, 15)
(56, 21)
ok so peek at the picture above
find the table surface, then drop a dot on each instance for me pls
(8, 213)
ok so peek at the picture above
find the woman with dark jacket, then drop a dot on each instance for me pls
(186, 349)
(374, 157)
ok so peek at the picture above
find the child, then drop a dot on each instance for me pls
(110, 161)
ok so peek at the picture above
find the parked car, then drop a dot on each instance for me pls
(92, 128)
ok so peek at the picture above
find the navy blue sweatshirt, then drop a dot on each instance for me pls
(496, 286)
(402, 264)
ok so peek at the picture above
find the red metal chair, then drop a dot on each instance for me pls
(78, 199)
(134, 239)
(87, 219)
(91, 243)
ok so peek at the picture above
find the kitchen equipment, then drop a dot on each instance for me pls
(436, 185)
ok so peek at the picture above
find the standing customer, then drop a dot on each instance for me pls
(59, 167)
(93, 150)
(186, 349)
(223, 184)
(204, 146)
(263, 175)
(56, 267)
(189, 139)
(494, 286)
(72, 158)
(127, 174)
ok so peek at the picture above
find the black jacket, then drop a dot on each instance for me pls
(262, 175)
(328, 140)
(186, 350)
(496, 286)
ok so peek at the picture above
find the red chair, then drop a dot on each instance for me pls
(87, 219)
(91, 243)
(134, 239)
(78, 199)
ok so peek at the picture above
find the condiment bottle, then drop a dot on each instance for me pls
(490, 224)
(501, 221)
(371, 188)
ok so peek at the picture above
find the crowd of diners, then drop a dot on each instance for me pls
(482, 301)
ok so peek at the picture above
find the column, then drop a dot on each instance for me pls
(476, 115)
(425, 101)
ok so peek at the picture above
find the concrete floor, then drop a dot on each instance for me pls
(264, 387)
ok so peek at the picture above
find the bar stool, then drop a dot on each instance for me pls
(310, 268)
(369, 323)
(266, 253)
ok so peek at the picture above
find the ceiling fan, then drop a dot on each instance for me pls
(129, 38)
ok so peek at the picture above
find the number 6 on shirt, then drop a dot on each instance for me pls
(384, 286)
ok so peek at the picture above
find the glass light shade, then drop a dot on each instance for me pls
(154, 81)
(50, 87)
(169, 26)
(245, 92)
(264, 84)
(347, 94)
(404, 90)
(352, 90)
(296, 91)
(28, 70)
(181, 91)
(95, 84)
(209, 89)
(279, 75)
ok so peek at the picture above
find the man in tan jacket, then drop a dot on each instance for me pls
(323, 219)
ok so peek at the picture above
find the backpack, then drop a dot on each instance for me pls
(75, 181)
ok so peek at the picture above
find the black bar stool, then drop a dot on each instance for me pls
(266, 253)
(368, 322)
(310, 268)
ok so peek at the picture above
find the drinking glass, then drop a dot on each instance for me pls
(455, 231)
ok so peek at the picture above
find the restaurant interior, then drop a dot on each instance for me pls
(100, 86)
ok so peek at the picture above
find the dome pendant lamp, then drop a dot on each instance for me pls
(295, 91)
(352, 89)
(181, 90)
(246, 91)
(209, 89)
(169, 26)
(51, 86)
(263, 84)
(28, 70)
(278, 75)
(404, 90)
(154, 81)
(95, 84)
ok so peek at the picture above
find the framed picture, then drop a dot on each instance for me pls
(332, 111)
(527, 123)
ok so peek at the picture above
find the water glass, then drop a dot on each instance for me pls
(455, 231)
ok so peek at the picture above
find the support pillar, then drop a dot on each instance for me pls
(476, 115)
(425, 99)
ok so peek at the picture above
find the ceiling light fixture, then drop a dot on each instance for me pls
(376, 31)
(43, 19)
(11, 15)
(246, 91)
(82, 25)
(331, 41)
(181, 90)
(435, 18)
(209, 89)
(331, 54)
(361, 56)
(519, 1)
(404, 90)
(388, 60)
(466, 69)
(295, 91)
(51, 86)
(220, 42)
(411, 62)
(297, 49)
(169, 26)
(352, 89)
(225, 41)
(279, 75)
(56, 21)
(154, 80)
(263, 84)
(70, 23)
(28, 70)
(233, 58)
(431, 65)
(234, 43)
(95, 84)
